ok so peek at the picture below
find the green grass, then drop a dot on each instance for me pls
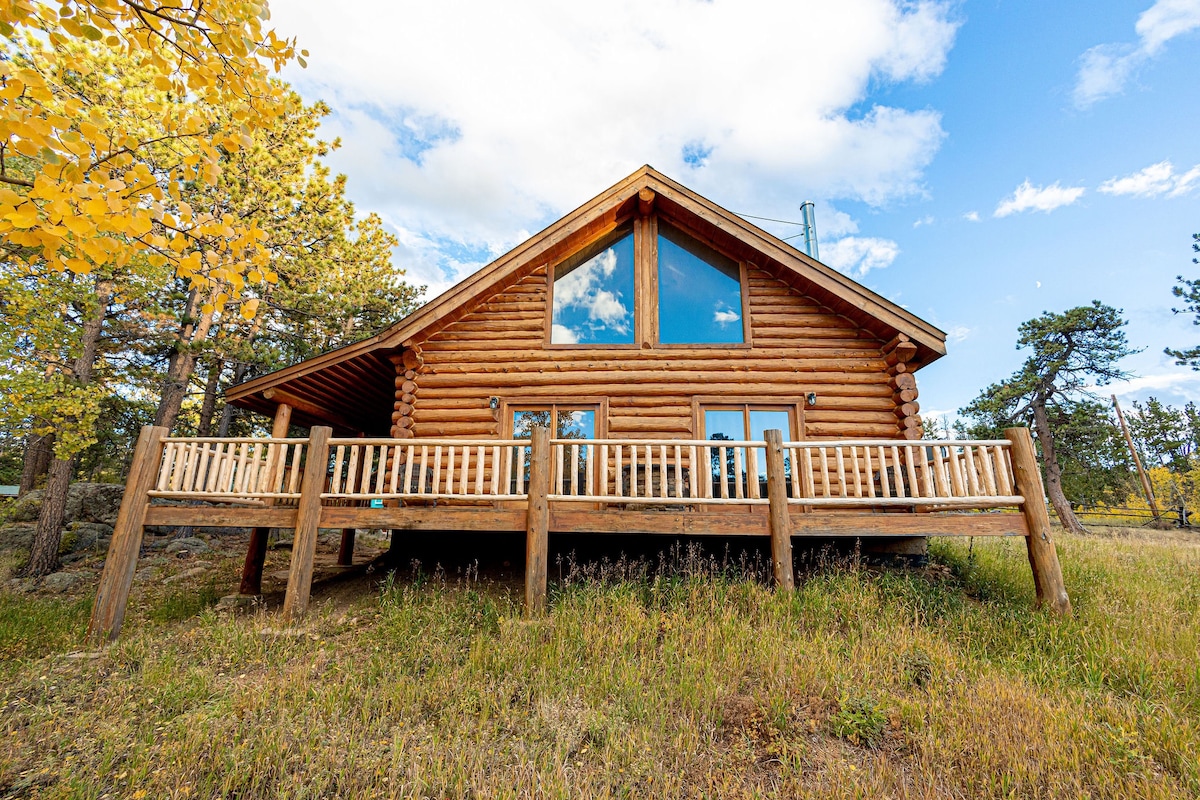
(698, 683)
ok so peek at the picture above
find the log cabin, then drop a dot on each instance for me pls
(648, 363)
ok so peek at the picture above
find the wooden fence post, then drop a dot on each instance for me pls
(308, 518)
(780, 521)
(119, 565)
(256, 550)
(537, 522)
(1043, 559)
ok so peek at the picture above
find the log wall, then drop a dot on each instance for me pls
(497, 349)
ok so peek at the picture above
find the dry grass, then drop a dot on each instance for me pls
(694, 682)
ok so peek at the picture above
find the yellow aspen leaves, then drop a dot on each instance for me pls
(98, 132)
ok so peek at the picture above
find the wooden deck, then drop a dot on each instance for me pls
(771, 488)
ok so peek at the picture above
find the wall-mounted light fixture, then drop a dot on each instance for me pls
(493, 402)
(811, 398)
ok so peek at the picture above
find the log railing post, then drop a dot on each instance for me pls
(308, 518)
(537, 522)
(256, 550)
(119, 565)
(780, 522)
(1043, 559)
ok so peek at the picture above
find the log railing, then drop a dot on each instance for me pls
(243, 470)
(640, 472)
(431, 469)
(952, 474)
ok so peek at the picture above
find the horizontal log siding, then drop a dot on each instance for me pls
(799, 346)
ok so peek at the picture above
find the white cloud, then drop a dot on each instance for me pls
(583, 287)
(1105, 69)
(561, 334)
(1154, 180)
(971, 216)
(1028, 197)
(466, 123)
(723, 317)
(1185, 383)
(926, 220)
(958, 333)
(857, 255)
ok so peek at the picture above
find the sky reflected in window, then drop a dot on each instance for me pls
(699, 293)
(593, 300)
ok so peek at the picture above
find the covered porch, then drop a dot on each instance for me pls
(773, 488)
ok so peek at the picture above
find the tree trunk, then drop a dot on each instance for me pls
(227, 413)
(1062, 506)
(183, 360)
(39, 452)
(209, 406)
(47, 536)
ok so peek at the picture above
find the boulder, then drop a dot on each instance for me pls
(86, 502)
(60, 582)
(83, 536)
(188, 544)
(17, 535)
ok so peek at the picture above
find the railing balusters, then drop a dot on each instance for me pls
(422, 470)
(603, 470)
(496, 471)
(437, 467)
(914, 488)
(618, 483)
(480, 462)
(464, 474)
(395, 476)
(752, 471)
(723, 471)
(824, 456)
(854, 466)
(574, 469)
(693, 472)
(989, 474)
(410, 455)
(870, 472)
(678, 473)
(972, 478)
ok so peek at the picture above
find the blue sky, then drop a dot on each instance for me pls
(976, 162)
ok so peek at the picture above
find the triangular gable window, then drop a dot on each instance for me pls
(699, 293)
(647, 284)
(594, 295)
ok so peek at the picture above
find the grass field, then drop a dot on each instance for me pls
(695, 682)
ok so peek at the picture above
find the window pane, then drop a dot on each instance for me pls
(525, 421)
(766, 420)
(728, 425)
(761, 421)
(576, 424)
(593, 300)
(699, 293)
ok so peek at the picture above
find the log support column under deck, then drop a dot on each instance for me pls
(256, 552)
(308, 518)
(537, 525)
(115, 581)
(1043, 559)
(779, 520)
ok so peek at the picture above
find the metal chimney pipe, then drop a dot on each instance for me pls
(808, 216)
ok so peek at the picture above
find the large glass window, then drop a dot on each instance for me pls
(594, 296)
(745, 422)
(699, 293)
(564, 422)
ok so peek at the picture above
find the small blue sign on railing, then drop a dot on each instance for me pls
(377, 502)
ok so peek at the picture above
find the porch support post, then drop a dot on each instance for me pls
(308, 517)
(780, 522)
(346, 548)
(256, 551)
(537, 523)
(1043, 559)
(115, 581)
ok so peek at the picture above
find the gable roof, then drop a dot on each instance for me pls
(351, 388)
